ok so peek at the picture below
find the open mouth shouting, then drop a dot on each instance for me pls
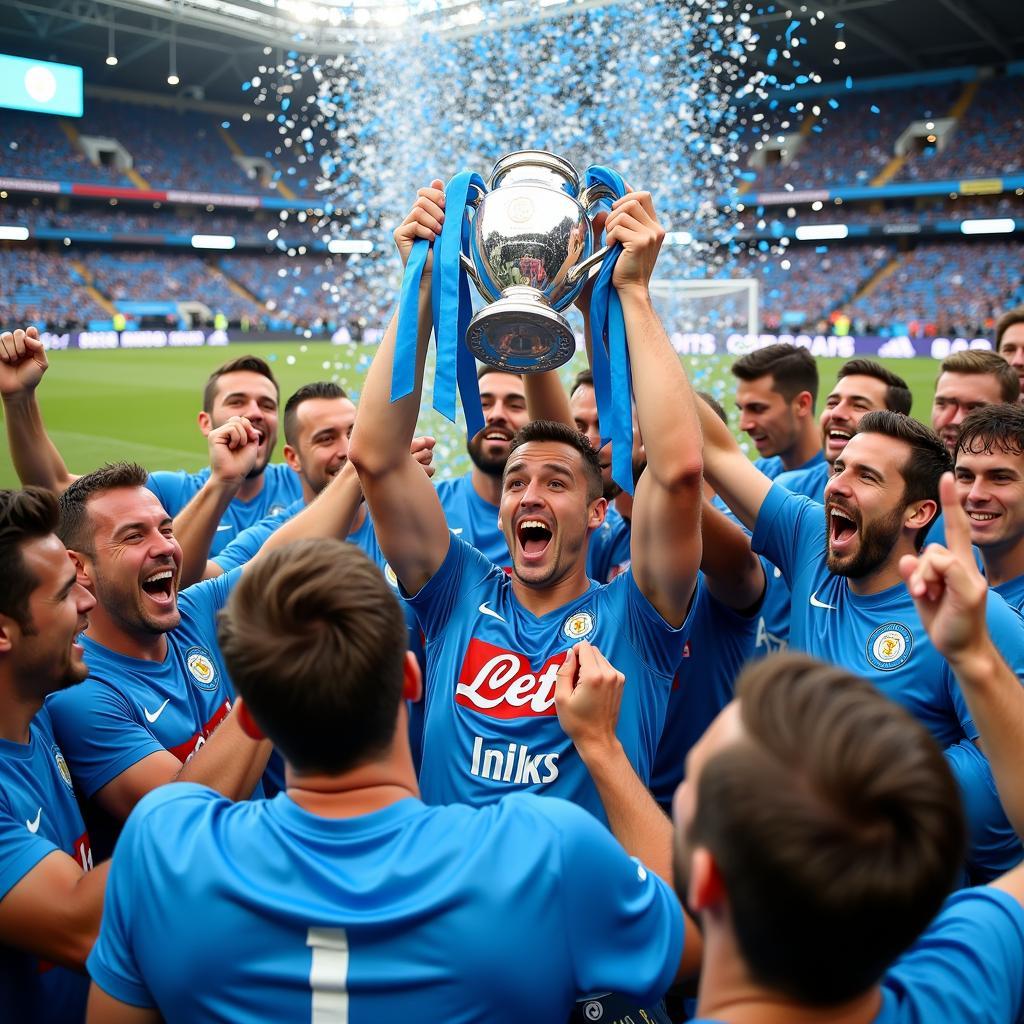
(533, 536)
(159, 587)
(835, 440)
(496, 435)
(842, 530)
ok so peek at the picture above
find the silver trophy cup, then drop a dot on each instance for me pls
(531, 248)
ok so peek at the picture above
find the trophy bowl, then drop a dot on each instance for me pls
(531, 247)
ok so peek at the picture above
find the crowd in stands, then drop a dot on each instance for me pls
(986, 141)
(43, 288)
(857, 138)
(947, 289)
(37, 147)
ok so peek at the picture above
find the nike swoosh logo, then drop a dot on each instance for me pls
(484, 610)
(152, 716)
(226, 526)
(815, 603)
(456, 530)
(33, 826)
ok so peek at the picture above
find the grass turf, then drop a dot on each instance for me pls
(142, 404)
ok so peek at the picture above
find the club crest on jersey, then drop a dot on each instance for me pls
(889, 646)
(389, 575)
(578, 625)
(200, 666)
(277, 510)
(62, 766)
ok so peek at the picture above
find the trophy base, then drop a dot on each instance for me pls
(521, 333)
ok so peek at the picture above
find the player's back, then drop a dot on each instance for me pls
(264, 911)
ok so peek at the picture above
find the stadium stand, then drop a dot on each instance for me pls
(40, 287)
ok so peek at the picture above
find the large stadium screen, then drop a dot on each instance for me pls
(41, 86)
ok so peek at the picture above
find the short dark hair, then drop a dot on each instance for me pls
(247, 364)
(1006, 321)
(898, 396)
(714, 405)
(315, 643)
(924, 466)
(792, 369)
(75, 529)
(992, 426)
(317, 389)
(978, 361)
(835, 823)
(549, 430)
(583, 379)
(483, 369)
(25, 516)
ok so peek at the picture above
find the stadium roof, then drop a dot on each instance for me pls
(215, 44)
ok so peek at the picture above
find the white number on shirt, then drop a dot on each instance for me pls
(328, 975)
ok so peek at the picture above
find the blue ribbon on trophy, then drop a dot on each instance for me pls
(528, 247)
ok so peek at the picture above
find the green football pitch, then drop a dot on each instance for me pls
(142, 404)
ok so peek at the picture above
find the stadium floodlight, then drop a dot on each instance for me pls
(988, 226)
(349, 245)
(172, 71)
(13, 233)
(213, 242)
(111, 53)
(821, 232)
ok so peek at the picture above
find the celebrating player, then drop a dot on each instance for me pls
(49, 909)
(346, 895)
(242, 387)
(494, 642)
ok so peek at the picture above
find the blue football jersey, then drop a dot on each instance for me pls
(770, 465)
(247, 544)
(809, 479)
(967, 967)
(772, 620)
(506, 913)
(129, 708)
(281, 487)
(38, 815)
(608, 550)
(1012, 592)
(878, 636)
(490, 723)
(473, 519)
(720, 643)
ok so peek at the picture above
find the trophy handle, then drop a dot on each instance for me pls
(594, 194)
(469, 268)
(583, 268)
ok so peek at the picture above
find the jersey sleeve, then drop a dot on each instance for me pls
(462, 569)
(112, 964)
(655, 642)
(630, 940)
(171, 488)
(20, 850)
(968, 966)
(247, 544)
(98, 734)
(202, 601)
(790, 530)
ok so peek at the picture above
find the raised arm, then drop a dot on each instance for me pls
(588, 694)
(406, 512)
(665, 545)
(733, 573)
(740, 484)
(233, 448)
(950, 595)
(35, 457)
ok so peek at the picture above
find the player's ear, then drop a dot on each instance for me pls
(205, 422)
(920, 513)
(83, 574)
(706, 889)
(7, 628)
(291, 456)
(412, 682)
(598, 510)
(805, 403)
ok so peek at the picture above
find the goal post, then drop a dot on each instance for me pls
(708, 306)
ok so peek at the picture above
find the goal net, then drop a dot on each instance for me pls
(700, 314)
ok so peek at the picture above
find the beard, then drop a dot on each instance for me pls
(491, 465)
(876, 543)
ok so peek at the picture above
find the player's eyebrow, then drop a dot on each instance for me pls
(66, 588)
